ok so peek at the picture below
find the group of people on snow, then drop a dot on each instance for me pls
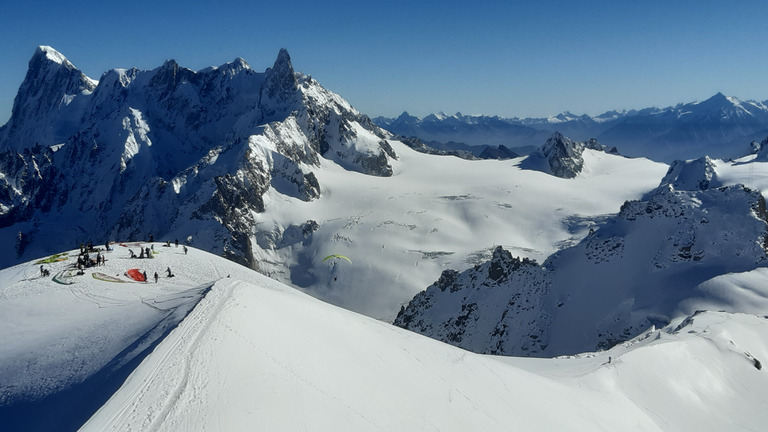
(84, 260)
(145, 252)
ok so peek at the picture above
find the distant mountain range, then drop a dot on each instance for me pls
(720, 126)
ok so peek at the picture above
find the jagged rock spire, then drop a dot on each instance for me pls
(280, 83)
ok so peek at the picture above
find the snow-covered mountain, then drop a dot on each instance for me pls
(169, 150)
(718, 126)
(221, 347)
(683, 247)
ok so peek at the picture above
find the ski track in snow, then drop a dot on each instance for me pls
(173, 376)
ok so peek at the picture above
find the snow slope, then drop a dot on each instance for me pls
(255, 354)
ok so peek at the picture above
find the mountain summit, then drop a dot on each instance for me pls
(52, 83)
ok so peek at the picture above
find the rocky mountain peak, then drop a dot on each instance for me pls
(52, 82)
(697, 174)
(49, 69)
(280, 83)
(50, 54)
(406, 118)
(564, 156)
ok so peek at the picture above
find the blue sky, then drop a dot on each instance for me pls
(508, 58)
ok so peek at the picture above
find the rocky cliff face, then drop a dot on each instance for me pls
(142, 152)
(495, 308)
(644, 267)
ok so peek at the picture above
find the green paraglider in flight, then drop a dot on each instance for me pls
(337, 256)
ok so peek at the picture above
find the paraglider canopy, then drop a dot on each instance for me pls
(337, 256)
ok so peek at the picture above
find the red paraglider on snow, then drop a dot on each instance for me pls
(136, 275)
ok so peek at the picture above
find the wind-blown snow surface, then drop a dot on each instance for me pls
(253, 354)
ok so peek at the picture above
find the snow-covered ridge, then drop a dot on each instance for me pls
(219, 345)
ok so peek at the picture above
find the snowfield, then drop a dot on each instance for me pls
(221, 347)
(434, 213)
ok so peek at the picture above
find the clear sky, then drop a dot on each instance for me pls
(508, 58)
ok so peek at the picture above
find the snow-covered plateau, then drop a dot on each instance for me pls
(297, 231)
